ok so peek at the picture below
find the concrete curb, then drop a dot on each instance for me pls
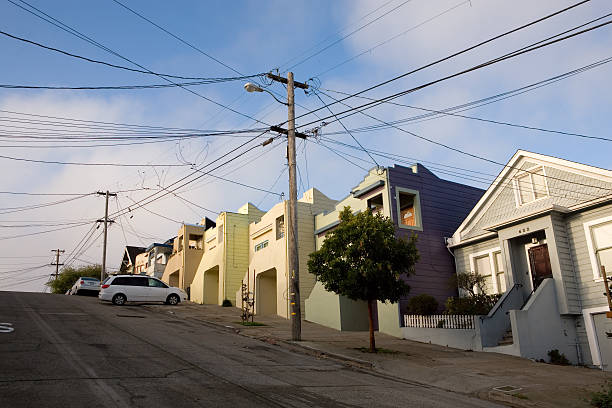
(295, 344)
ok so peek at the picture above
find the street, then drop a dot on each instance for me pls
(71, 351)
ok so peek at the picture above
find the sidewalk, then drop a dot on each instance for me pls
(473, 373)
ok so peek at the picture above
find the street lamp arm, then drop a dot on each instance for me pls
(275, 98)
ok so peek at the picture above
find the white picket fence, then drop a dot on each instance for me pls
(440, 321)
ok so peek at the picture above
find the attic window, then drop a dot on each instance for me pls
(408, 208)
(531, 186)
(375, 204)
(195, 241)
(280, 227)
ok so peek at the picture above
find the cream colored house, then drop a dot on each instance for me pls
(267, 274)
(187, 252)
(225, 256)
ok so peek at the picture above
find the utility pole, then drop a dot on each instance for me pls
(106, 222)
(293, 261)
(57, 262)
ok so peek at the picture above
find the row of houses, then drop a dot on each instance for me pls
(540, 235)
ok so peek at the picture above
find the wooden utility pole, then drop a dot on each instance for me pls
(292, 224)
(106, 222)
(57, 262)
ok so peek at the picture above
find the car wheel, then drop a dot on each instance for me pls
(119, 299)
(173, 300)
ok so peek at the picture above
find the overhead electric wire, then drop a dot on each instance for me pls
(463, 51)
(212, 79)
(177, 37)
(41, 232)
(466, 153)
(105, 88)
(380, 101)
(46, 17)
(483, 101)
(8, 210)
(345, 128)
(333, 34)
(380, 44)
(344, 37)
(91, 164)
(445, 113)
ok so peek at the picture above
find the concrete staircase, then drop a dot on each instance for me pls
(507, 339)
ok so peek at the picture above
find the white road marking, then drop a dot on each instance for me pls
(6, 328)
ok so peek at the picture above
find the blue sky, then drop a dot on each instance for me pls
(255, 37)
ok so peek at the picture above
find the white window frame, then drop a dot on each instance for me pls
(261, 245)
(589, 325)
(417, 208)
(529, 173)
(591, 245)
(489, 253)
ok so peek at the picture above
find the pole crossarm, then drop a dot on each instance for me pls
(279, 129)
(280, 79)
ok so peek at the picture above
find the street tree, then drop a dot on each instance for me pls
(69, 276)
(362, 259)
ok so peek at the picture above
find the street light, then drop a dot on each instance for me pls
(251, 87)
(292, 244)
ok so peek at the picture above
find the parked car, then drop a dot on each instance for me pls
(85, 286)
(137, 288)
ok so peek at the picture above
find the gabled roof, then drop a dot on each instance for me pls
(513, 166)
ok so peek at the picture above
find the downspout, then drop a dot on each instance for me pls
(287, 279)
(224, 254)
(388, 193)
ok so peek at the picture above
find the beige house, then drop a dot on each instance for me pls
(267, 275)
(187, 252)
(225, 256)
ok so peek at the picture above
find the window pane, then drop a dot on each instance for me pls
(605, 259)
(483, 267)
(539, 184)
(524, 185)
(501, 282)
(280, 227)
(407, 214)
(602, 235)
(220, 234)
(499, 264)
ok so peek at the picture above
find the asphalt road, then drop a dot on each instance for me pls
(71, 351)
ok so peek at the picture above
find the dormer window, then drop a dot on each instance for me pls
(531, 186)
(408, 208)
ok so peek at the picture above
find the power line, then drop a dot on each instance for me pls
(334, 34)
(345, 128)
(380, 44)
(444, 113)
(213, 79)
(465, 50)
(91, 164)
(46, 17)
(176, 37)
(380, 101)
(344, 37)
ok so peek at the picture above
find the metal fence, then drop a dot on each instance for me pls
(440, 321)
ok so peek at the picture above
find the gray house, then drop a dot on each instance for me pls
(157, 258)
(540, 235)
(419, 203)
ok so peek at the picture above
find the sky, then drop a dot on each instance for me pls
(336, 46)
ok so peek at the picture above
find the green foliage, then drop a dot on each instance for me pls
(470, 282)
(603, 398)
(422, 305)
(226, 303)
(478, 304)
(363, 260)
(557, 358)
(69, 276)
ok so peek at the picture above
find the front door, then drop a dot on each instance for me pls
(539, 262)
(603, 333)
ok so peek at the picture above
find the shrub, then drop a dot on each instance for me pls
(422, 305)
(557, 358)
(69, 276)
(226, 303)
(603, 398)
(479, 304)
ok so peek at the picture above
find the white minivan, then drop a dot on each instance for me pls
(138, 288)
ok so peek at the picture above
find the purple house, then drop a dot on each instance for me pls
(419, 203)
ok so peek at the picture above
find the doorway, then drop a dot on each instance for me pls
(266, 293)
(539, 263)
(211, 286)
